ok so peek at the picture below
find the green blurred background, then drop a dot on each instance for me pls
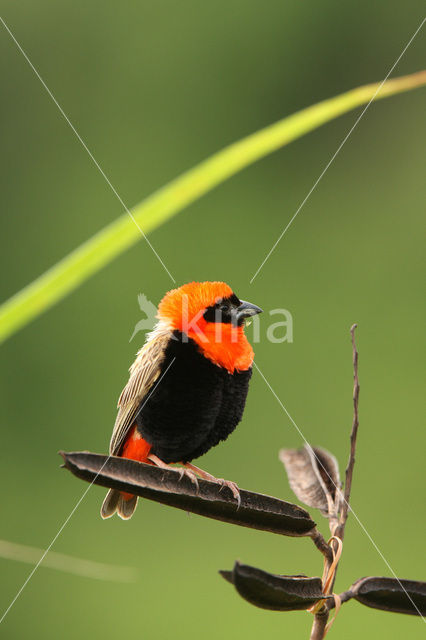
(153, 88)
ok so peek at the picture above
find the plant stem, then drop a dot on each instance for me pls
(319, 625)
(321, 544)
(321, 618)
(340, 531)
(344, 597)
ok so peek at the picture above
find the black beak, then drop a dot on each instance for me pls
(247, 309)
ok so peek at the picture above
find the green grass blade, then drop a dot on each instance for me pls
(92, 255)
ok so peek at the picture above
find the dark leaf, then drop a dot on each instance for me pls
(275, 592)
(313, 474)
(228, 575)
(390, 594)
(257, 511)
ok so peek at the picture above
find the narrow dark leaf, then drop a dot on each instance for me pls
(313, 474)
(390, 594)
(274, 592)
(257, 511)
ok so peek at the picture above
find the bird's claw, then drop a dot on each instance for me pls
(191, 475)
(233, 487)
(182, 472)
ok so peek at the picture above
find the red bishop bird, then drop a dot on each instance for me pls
(187, 387)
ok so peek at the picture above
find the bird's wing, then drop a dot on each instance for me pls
(144, 372)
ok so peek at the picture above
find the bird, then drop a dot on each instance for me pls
(187, 387)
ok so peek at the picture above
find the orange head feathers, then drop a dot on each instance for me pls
(213, 316)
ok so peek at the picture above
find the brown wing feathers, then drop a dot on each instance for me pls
(143, 374)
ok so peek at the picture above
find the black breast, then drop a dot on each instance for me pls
(195, 406)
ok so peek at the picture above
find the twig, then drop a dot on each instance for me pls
(321, 544)
(340, 531)
(321, 618)
(344, 597)
(319, 625)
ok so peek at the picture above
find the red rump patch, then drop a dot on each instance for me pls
(135, 448)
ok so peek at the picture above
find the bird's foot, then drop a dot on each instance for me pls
(191, 475)
(232, 486)
(225, 483)
(182, 472)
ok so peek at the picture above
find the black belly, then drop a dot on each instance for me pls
(195, 406)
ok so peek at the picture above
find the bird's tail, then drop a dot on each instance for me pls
(134, 448)
(122, 503)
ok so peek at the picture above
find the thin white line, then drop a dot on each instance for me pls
(333, 157)
(120, 442)
(48, 549)
(84, 146)
(72, 513)
(338, 489)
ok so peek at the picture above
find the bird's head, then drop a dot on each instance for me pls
(213, 316)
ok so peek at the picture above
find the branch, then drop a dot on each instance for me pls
(319, 627)
(340, 531)
(321, 544)
(343, 597)
(318, 630)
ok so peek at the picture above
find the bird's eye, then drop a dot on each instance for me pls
(222, 311)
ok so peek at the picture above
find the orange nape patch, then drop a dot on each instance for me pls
(135, 448)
